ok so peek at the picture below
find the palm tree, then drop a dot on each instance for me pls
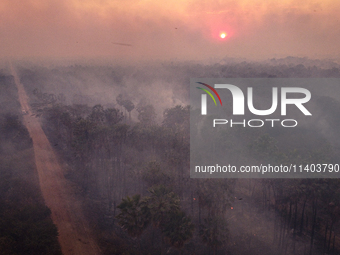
(161, 203)
(129, 106)
(97, 114)
(113, 116)
(134, 216)
(178, 228)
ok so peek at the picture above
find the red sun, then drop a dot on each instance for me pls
(223, 35)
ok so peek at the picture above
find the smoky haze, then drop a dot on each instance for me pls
(185, 30)
(88, 84)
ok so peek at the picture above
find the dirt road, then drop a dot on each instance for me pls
(74, 235)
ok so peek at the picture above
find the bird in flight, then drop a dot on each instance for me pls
(122, 44)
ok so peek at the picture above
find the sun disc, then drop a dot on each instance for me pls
(223, 35)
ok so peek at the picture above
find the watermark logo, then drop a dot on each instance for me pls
(280, 97)
(264, 127)
(238, 99)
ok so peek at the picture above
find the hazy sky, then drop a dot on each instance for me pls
(172, 29)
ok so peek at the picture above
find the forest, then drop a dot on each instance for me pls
(124, 133)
